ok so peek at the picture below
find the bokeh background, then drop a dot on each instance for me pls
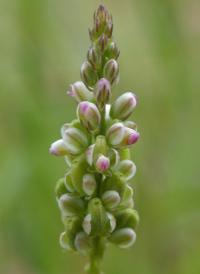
(43, 44)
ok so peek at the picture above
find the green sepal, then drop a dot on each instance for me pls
(127, 218)
(60, 188)
(68, 182)
(117, 182)
(124, 154)
(100, 145)
(72, 227)
(76, 124)
(78, 170)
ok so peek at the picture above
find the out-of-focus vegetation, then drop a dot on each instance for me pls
(42, 47)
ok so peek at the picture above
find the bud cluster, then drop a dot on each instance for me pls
(94, 197)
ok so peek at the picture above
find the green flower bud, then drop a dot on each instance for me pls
(60, 188)
(127, 218)
(71, 206)
(102, 43)
(124, 154)
(95, 222)
(89, 184)
(103, 15)
(114, 157)
(111, 222)
(82, 243)
(88, 115)
(75, 140)
(64, 243)
(68, 182)
(81, 92)
(94, 57)
(88, 75)
(123, 106)
(115, 134)
(110, 199)
(78, 170)
(73, 227)
(100, 145)
(130, 137)
(109, 30)
(102, 92)
(123, 238)
(127, 168)
(59, 148)
(128, 196)
(112, 51)
(111, 70)
(117, 182)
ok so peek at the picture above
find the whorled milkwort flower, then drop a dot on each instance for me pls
(95, 201)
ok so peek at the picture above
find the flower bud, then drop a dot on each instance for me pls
(94, 35)
(111, 222)
(112, 51)
(128, 195)
(117, 182)
(96, 221)
(75, 140)
(102, 163)
(127, 218)
(130, 137)
(82, 243)
(94, 57)
(123, 238)
(102, 43)
(102, 92)
(78, 170)
(72, 227)
(110, 199)
(68, 182)
(123, 106)
(81, 92)
(111, 70)
(100, 145)
(59, 148)
(131, 125)
(88, 115)
(63, 128)
(127, 168)
(64, 243)
(115, 134)
(60, 188)
(109, 30)
(89, 154)
(89, 184)
(114, 157)
(71, 206)
(102, 14)
(88, 75)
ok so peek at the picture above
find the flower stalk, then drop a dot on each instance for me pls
(95, 200)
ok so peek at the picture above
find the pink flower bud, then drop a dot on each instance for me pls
(111, 70)
(88, 115)
(123, 106)
(130, 137)
(102, 164)
(102, 92)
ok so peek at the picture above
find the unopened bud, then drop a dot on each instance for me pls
(81, 92)
(88, 115)
(102, 92)
(94, 57)
(89, 184)
(64, 243)
(82, 243)
(64, 128)
(109, 30)
(73, 226)
(110, 199)
(114, 157)
(89, 154)
(117, 182)
(130, 137)
(75, 140)
(102, 43)
(103, 14)
(102, 163)
(100, 145)
(68, 182)
(127, 168)
(59, 148)
(111, 222)
(111, 70)
(88, 75)
(112, 51)
(131, 125)
(123, 106)
(128, 195)
(127, 218)
(60, 188)
(71, 206)
(123, 238)
(115, 134)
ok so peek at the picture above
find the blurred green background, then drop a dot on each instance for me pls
(43, 44)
